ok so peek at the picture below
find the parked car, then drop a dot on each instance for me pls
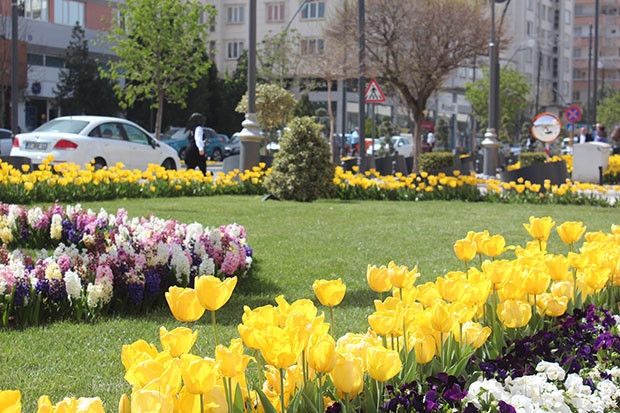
(99, 139)
(567, 148)
(402, 146)
(214, 144)
(233, 146)
(6, 141)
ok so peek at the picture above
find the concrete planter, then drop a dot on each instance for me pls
(555, 172)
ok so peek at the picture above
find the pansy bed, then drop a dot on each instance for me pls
(75, 263)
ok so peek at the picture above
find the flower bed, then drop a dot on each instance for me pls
(530, 331)
(104, 263)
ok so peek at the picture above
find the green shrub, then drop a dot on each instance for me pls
(532, 158)
(432, 161)
(301, 170)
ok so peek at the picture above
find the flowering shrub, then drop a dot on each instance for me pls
(71, 183)
(102, 262)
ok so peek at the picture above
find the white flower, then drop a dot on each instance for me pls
(56, 227)
(207, 267)
(553, 371)
(180, 264)
(34, 215)
(73, 285)
(52, 271)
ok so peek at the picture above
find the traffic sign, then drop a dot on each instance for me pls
(373, 93)
(546, 127)
(573, 114)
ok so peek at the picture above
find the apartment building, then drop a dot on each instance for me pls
(586, 64)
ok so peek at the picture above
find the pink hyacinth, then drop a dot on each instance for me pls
(7, 276)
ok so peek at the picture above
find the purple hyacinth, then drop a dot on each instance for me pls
(57, 291)
(21, 291)
(152, 281)
(135, 292)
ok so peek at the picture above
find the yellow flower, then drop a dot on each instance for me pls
(383, 364)
(348, 376)
(536, 281)
(514, 313)
(199, 374)
(551, 305)
(384, 322)
(124, 404)
(571, 231)
(424, 344)
(322, 353)
(558, 267)
(493, 245)
(214, 293)
(442, 318)
(10, 401)
(400, 276)
(329, 293)
(540, 228)
(184, 304)
(281, 347)
(231, 361)
(254, 321)
(132, 354)
(378, 279)
(178, 341)
(465, 249)
(151, 401)
(473, 334)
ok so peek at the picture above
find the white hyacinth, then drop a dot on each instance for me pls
(73, 285)
(56, 227)
(180, 264)
(207, 267)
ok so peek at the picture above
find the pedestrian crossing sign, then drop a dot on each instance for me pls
(373, 93)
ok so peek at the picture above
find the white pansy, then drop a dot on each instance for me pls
(248, 262)
(73, 285)
(193, 232)
(553, 371)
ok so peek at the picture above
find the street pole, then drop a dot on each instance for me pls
(490, 143)
(588, 106)
(361, 83)
(250, 137)
(14, 67)
(595, 65)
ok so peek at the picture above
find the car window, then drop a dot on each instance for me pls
(209, 134)
(63, 126)
(5, 134)
(108, 131)
(135, 135)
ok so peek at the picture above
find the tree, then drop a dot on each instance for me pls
(608, 110)
(160, 46)
(513, 98)
(415, 44)
(278, 57)
(304, 106)
(275, 106)
(80, 80)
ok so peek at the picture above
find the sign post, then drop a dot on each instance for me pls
(573, 115)
(546, 128)
(373, 95)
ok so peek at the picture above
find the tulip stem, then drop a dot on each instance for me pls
(214, 326)
(202, 403)
(331, 315)
(282, 389)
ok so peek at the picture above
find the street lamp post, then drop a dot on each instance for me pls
(250, 137)
(490, 142)
(14, 67)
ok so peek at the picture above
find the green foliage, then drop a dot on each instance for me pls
(160, 45)
(304, 106)
(442, 131)
(301, 170)
(532, 158)
(432, 161)
(275, 106)
(513, 92)
(608, 110)
(80, 80)
(277, 56)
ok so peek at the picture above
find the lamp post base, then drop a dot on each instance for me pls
(251, 139)
(491, 149)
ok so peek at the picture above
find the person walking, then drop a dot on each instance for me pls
(195, 152)
(430, 139)
(601, 133)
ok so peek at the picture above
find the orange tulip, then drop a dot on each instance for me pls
(329, 293)
(213, 293)
(184, 304)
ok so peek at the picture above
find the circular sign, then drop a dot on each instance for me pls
(573, 114)
(546, 127)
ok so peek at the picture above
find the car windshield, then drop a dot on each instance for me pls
(63, 126)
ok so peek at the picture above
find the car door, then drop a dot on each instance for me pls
(141, 147)
(112, 143)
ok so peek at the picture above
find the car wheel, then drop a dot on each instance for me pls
(99, 164)
(217, 155)
(169, 164)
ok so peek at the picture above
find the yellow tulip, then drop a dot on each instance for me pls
(253, 322)
(322, 353)
(536, 281)
(383, 364)
(442, 318)
(378, 279)
(184, 304)
(424, 344)
(400, 276)
(571, 231)
(474, 334)
(551, 305)
(199, 374)
(178, 341)
(44, 405)
(231, 361)
(558, 267)
(452, 286)
(281, 347)
(10, 401)
(477, 238)
(140, 374)
(348, 376)
(213, 293)
(465, 249)
(514, 313)
(151, 401)
(330, 293)
(132, 354)
(540, 228)
(124, 404)
(384, 322)
(493, 246)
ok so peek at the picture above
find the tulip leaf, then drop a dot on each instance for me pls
(238, 402)
(266, 404)
(311, 400)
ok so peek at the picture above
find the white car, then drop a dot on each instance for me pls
(6, 140)
(99, 139)
(402, 146)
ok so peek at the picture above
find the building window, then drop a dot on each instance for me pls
(69, 12)
(530, 4)
(35, 59)
(311, 46)
(212, 49)
(530, 28)
(53, 61)
(36, 10)
(567, 17)
(577, 52)
(275, 12)
(233, 50)
(235, 15)
(313, 10)
(529, 53)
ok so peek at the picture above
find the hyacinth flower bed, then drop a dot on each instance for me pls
(71, 183)
(88, 263)
(516, 329)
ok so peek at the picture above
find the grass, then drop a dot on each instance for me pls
(294, 244)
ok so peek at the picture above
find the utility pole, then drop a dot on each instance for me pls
(14, 67)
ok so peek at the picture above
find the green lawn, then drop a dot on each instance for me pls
(294, 244)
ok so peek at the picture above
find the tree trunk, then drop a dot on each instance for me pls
(160, 113)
